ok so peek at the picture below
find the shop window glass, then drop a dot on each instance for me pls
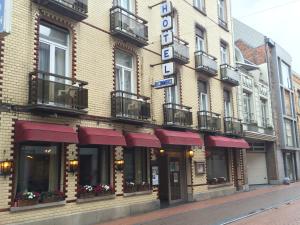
(94, 166)
(136, 169)
(38, 169)
(217, 166)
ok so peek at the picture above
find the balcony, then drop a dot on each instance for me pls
(268, 127)
(209, 121)
(57, 94)
(206, 63)
(178, 116)
(75, 9)
(128, 26)
(230, 75)
(130, 107)
(233, 126)
(181, 51)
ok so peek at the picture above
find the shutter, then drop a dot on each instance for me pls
(82, 98)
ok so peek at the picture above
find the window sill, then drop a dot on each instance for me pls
(37, 206)
(96, 198)
(214, 186)
(138, 193)
(203, 12)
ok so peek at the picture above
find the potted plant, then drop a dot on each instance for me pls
(27, 198)
(129, 187)
(52, 196)
(101, 190)
(86, 191)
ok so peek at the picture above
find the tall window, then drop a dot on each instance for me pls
(200, 39)
(200, 4)
(175, 23)
(217, 166)
(227, 104)
(94, 166)
(247, 107)
(287, 103)
(263, 111)
(222, 10)
(126, 4)
(125, 79)
(136, 168)
(285, 75)
(39, 168)
(203, 96)
(172, 93)
(53, 49)
(289, 133)
(224, 53)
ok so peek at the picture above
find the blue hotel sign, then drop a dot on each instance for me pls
(164, 83)
(5, 17)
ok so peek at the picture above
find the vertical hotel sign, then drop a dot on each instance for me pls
(167, 52)
(5, 17)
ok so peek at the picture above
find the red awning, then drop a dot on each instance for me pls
(142, 140)
(44, 132)
(225, 142)
(100, 136)
(169, 137)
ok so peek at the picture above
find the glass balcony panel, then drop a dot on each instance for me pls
(181, 51)
(230, 75)
(206, 63)
(233, 126)
(209, 121)
(177, 115)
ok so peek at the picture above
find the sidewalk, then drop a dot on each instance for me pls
(215, 211)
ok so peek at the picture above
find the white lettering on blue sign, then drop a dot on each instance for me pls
(168, 68)
(165, 8)
(167, 53)
(167, 38)
(164, 83)
(166, 23)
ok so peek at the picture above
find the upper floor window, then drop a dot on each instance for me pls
(200, 39)
(224, 53)
(125, 77)
(222, 10)
(203, 97)
(53, 49)
(298, 99)
(263, 111)
(126, 4)
(227, 104)
(285, 75)
(175, 23)
(247, 107)
(173, 93)
(200, 4)
(289, 133)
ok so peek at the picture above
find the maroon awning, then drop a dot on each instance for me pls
(225, 142)
(100, 136)
(44, 132)
(142, 140)
(169, 137)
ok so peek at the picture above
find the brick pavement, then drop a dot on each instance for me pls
(215, 211)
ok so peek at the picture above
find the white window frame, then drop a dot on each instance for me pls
(221, 10)
(130, 5)
(199, 4)
(247, 106)
(227, 106)
(200, 43)
(203, 107)
(224, 53)
(263, 111)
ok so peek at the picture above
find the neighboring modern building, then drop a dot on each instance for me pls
(85, 136)
(275, 69)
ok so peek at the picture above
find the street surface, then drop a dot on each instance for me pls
(267, 205)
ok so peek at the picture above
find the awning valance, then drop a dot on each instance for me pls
(225, 142)
(142, 140)
(100, 136)
(44, 132)
(168, 137)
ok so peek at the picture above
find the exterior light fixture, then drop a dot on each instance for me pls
(6, 167)
(119, 164)
(190, 153)
(73, 166)
(161, 152)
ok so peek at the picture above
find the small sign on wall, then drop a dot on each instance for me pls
(169, 82)
(199, 168)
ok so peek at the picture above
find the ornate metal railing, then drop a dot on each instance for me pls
(177, 115)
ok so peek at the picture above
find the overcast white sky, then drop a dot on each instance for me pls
(277, 19)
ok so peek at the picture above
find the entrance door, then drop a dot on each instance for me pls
(290, 166)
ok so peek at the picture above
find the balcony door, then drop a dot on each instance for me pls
(200, 40)
(53, 58)
(247, 107)
(227, 104)
(126, 4)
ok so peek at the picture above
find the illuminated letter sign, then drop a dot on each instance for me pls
(168, 69)
(165, 8)
(166, 23)
(167, 38)
(167, 53)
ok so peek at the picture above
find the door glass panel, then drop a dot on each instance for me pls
(60, 61)
(175, 183)
(44, 57)
(52, 34)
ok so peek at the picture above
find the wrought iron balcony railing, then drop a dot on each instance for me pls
(209, 121)
(177, 115)
(181, 51)
(129, 106)
(128, 26)
(233, 126)
(230, 75)
(206, 63)
(75, 9)
(52, 92)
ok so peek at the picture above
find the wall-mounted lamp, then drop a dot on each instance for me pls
(6, 167)
(162, 152)
(119, 164)
(73, 166)
(190, 153)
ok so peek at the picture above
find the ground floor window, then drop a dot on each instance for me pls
(39, 171)
(136, 170)
(95, 171)
(217, 166)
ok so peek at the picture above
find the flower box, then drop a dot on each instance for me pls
(87, 195)
(27, 202)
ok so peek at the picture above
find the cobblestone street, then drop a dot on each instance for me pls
(226, 209)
